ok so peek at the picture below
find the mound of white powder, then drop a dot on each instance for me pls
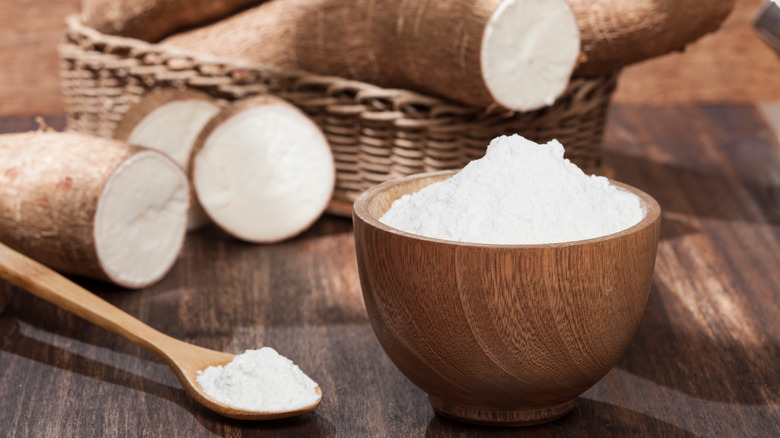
(259, 380)
(520, 192)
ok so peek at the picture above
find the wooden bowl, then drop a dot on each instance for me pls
(501, 334)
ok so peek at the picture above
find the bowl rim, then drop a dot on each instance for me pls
(361, 212)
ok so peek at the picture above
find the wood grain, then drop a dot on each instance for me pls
(185, 360)
(703, 361)
(497, 334)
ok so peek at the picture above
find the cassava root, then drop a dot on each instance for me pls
(262, 170)
(518, 53)
(170, 120)
(92, 206)
(616, 33)
(151, 20)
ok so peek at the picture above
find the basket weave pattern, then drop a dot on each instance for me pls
(375, 133)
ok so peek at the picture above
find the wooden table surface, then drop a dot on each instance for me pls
(705, 360)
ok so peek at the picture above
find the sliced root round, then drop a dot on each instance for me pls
(170, 120)
(529, 50)
(141, 218)
(92, 206)
(263, 170)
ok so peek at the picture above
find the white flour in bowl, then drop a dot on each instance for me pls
(520, 192)
(259, 380)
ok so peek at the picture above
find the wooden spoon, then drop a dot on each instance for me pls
(184, 359)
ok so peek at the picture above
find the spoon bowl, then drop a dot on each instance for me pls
(184, 359)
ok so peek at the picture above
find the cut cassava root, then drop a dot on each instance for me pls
(262, 170)
(150, 20)
(517, 53)
(92, 206)
(170, 120)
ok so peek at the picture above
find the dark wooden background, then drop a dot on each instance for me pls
(705, 361)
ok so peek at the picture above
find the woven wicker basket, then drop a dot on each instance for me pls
(375, 133)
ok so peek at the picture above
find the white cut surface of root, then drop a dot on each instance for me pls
(529, 51)
(173, 128)
(265, 173)
(141, 219)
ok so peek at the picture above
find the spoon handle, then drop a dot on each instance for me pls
(45, 283)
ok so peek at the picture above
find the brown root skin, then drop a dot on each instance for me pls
(49, 189)
(427, 46)
(616, 33)
(152, 20)
(358, 40)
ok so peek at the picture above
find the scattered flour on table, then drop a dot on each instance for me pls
(259, 380)
(520, 192)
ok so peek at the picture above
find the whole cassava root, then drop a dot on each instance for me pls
(170, 120)
(518, 53)
(92, 206)
(263, 170)
(616, 33)
(150, 20)
(446, 47)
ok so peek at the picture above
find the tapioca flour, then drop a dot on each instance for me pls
(259, 380)
(520, 192)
